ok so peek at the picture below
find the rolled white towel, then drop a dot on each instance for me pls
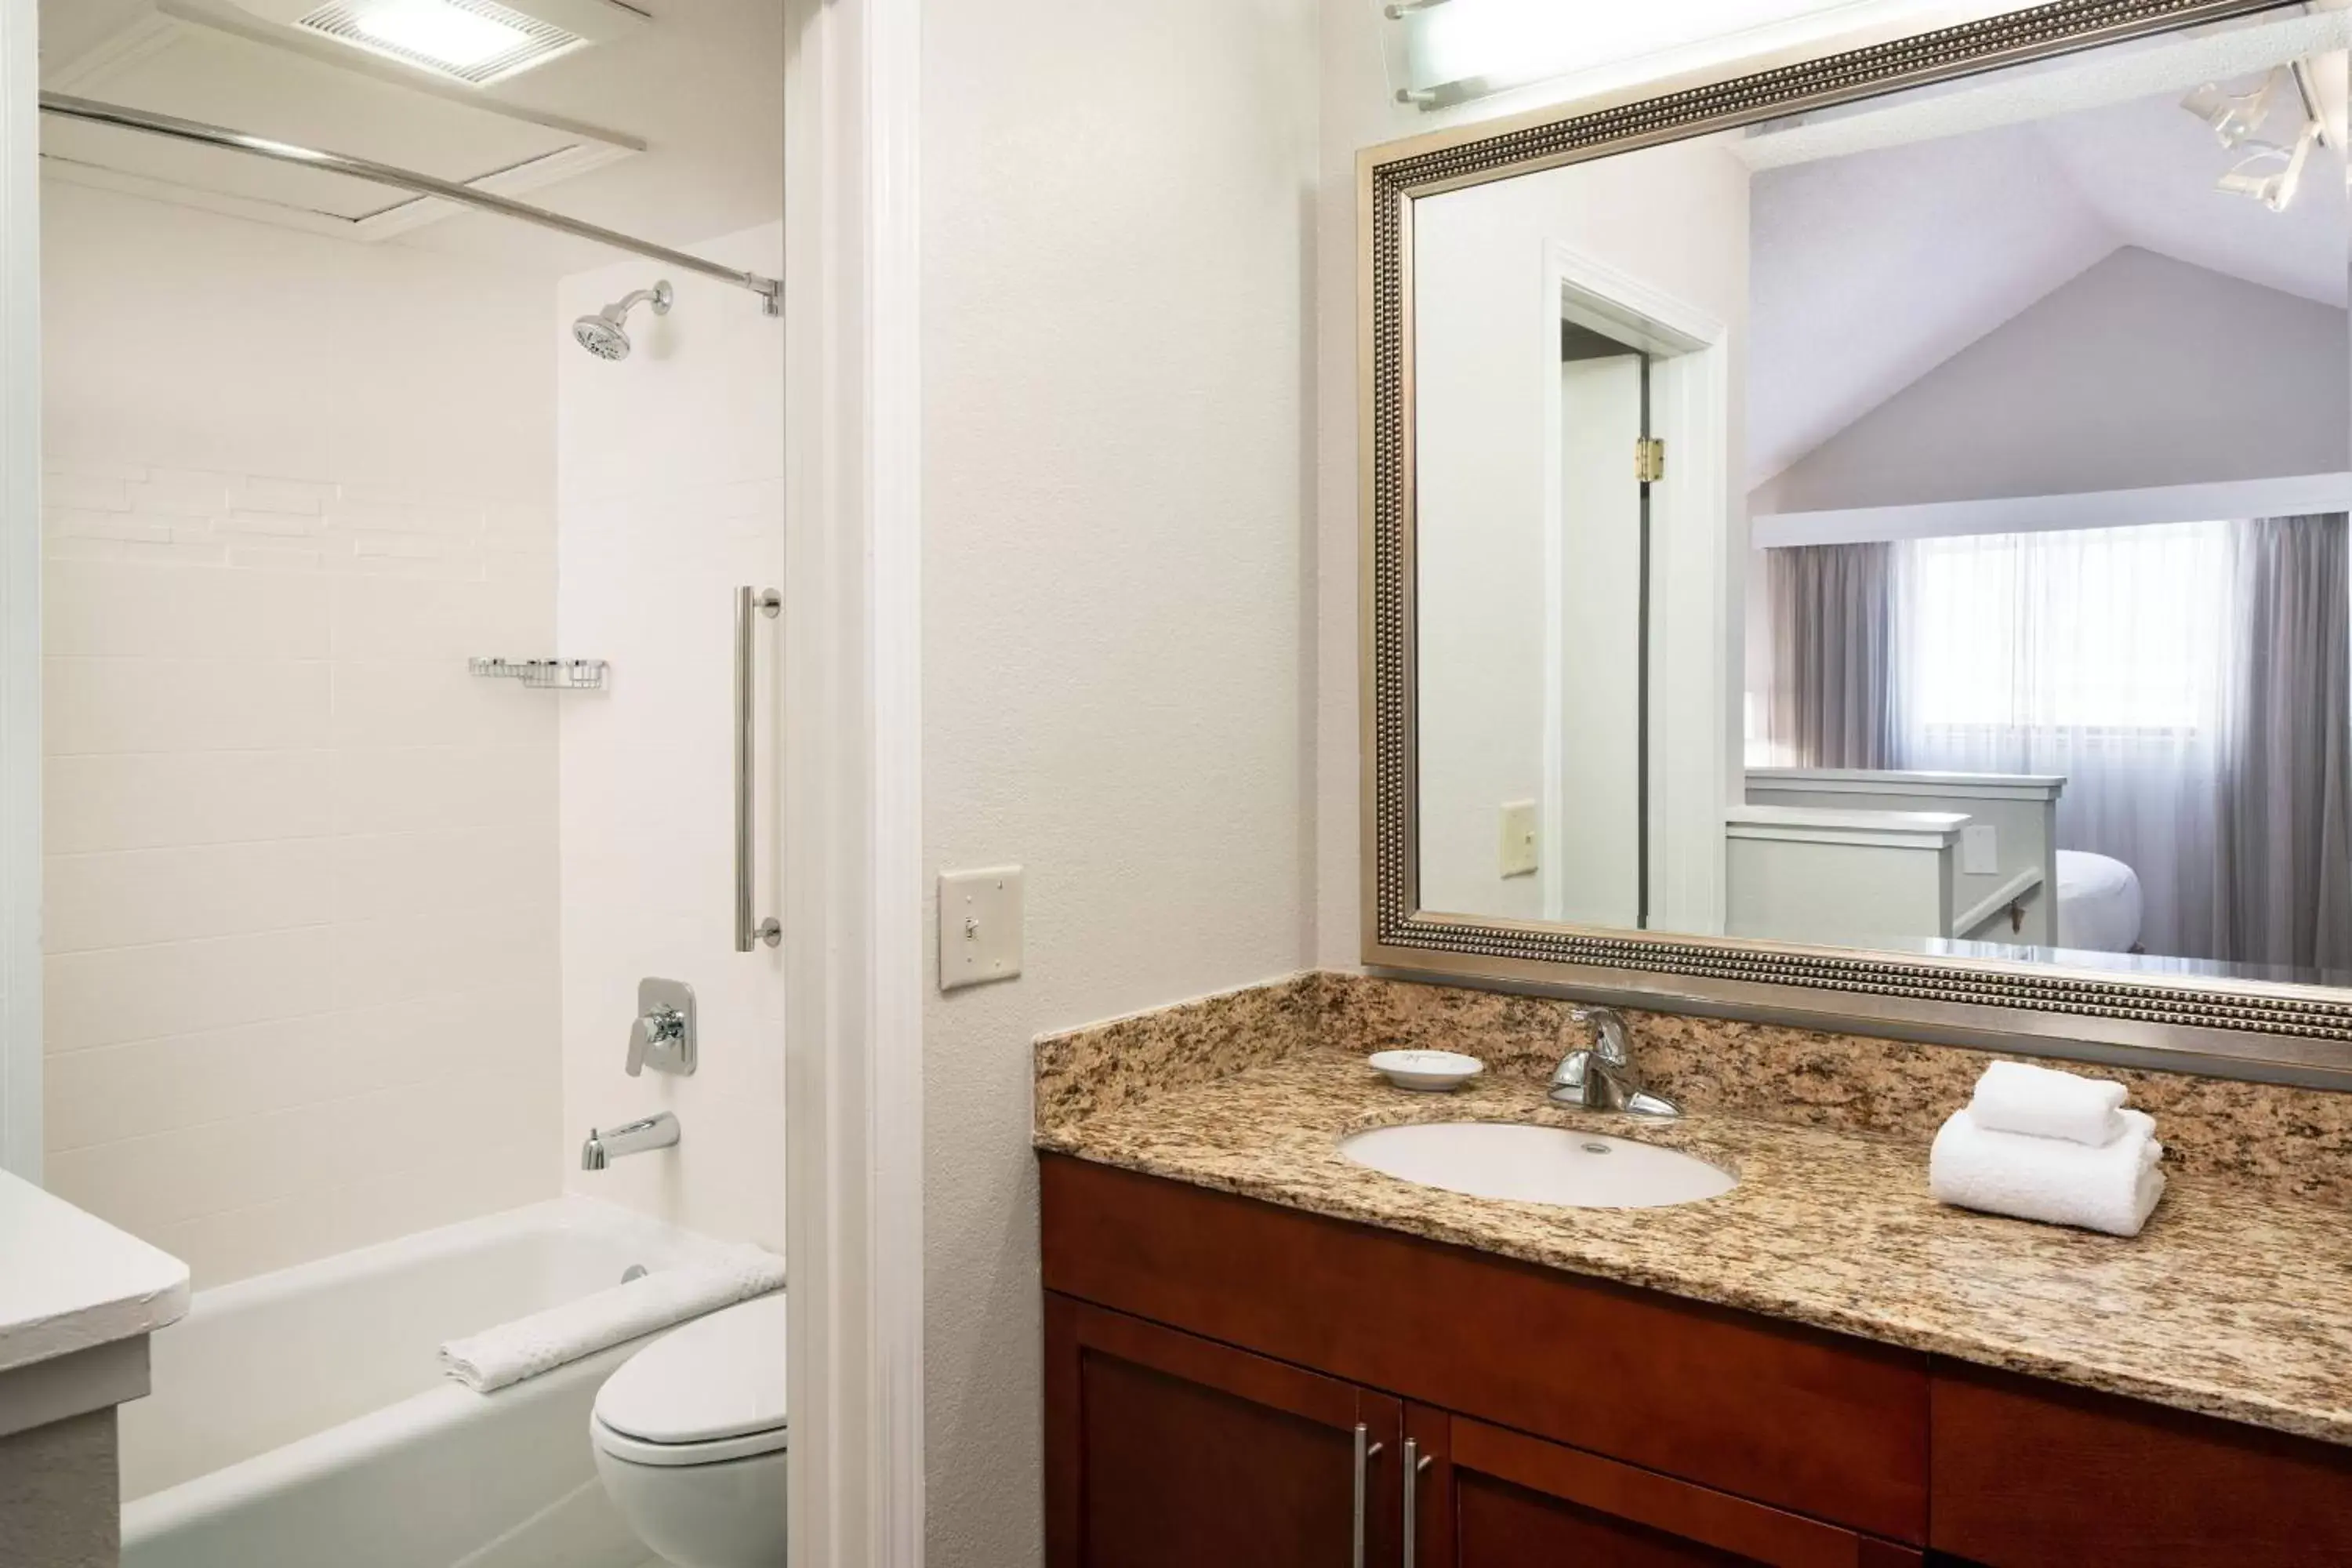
(2016, 1096)
(545, 1341)
(2111, 1188)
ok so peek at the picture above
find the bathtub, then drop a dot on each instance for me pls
(300, 1419)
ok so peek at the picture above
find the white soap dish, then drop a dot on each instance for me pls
(1427, 1072)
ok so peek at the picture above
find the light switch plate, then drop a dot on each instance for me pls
(1518, 849)
(1981, 849)
(980, 926)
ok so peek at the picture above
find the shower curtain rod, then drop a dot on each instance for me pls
(770, 291)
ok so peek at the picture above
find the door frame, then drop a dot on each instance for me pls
(20, 590)
(851, 778)
(1697, 531)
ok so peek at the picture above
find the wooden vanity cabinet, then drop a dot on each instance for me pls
(1210, 1359)
(1487, 1497)
(1737, 1432)
(2034, 1475)
(1165, 1450)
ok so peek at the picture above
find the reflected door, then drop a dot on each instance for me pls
(1595, 707)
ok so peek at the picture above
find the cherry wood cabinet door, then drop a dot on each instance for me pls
(2031, 1475)
(1488, 1498)
(1166, 1451)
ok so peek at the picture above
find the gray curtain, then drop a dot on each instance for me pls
(1833, 656)
(2283, 876)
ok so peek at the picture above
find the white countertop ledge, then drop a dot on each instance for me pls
(69, 1281)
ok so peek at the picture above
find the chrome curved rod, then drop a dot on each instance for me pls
(770, 291)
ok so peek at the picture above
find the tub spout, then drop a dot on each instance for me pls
(607, 1144)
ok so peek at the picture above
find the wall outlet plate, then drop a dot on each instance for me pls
(980, 926)
(1981, 849)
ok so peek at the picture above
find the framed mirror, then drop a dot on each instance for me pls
(1867, 540)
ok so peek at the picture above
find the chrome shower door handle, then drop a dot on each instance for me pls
(750, 929)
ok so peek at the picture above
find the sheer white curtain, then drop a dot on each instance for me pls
(2100, 653)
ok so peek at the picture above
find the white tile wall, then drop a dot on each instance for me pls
(670, 496)
(302, 868)
(301, 900)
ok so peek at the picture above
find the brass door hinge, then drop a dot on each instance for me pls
(1649, 460)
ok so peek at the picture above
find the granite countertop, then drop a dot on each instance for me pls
(2234, 1301)
(69, 1281)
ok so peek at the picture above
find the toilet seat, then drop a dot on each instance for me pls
(703, 1393)
(638, 1451)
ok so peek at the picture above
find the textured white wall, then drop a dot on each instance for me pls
(1116, 213)
(670, 494)
(301, 876)
(2141, 371)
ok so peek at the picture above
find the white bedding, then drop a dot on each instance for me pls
(2098, 902)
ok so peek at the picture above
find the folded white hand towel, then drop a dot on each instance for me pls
(2015, 1097)
(2110, 1188)
(545, 1341)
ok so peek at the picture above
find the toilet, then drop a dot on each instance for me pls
(690, 1439)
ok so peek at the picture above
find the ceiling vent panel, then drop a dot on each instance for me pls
(473, 41)
(172, 65)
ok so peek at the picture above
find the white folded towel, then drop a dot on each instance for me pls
(2014, 1097)
(2111, 1188)
(545, 1341)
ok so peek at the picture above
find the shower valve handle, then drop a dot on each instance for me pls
(662, 1036)
(659, 1028)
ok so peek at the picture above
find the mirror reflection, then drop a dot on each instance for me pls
(1917, 526)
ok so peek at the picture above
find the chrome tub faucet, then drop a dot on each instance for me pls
(609, 1143)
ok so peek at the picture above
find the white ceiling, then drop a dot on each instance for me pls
(2147, 169)
(673, 130)
(1872, 269)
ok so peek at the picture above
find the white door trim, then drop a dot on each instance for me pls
(1697, 536)
(20, 592)
(853, 784)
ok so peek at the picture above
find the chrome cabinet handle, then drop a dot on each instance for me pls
(1415, 1462)
(748, 928)
(1364, 1453)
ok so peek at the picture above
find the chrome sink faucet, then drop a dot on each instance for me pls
(609, 1143)
(1600, 1076)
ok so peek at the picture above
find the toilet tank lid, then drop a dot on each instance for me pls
(718, 1377)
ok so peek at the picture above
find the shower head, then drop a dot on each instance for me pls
(603, 334)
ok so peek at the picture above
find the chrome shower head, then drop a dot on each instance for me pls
(604, 335)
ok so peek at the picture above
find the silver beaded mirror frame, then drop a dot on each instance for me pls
(2257, 1030)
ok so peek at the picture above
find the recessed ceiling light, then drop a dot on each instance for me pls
(476, 41)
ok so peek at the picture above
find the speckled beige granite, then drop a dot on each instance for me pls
(1106, 1066)
(2236, 1300)
(2290, 1142)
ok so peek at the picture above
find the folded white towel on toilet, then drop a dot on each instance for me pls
(2110, 1188)
(545, 1341)
(2016, 1096)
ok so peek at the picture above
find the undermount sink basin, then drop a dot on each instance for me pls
(1537, 1164)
